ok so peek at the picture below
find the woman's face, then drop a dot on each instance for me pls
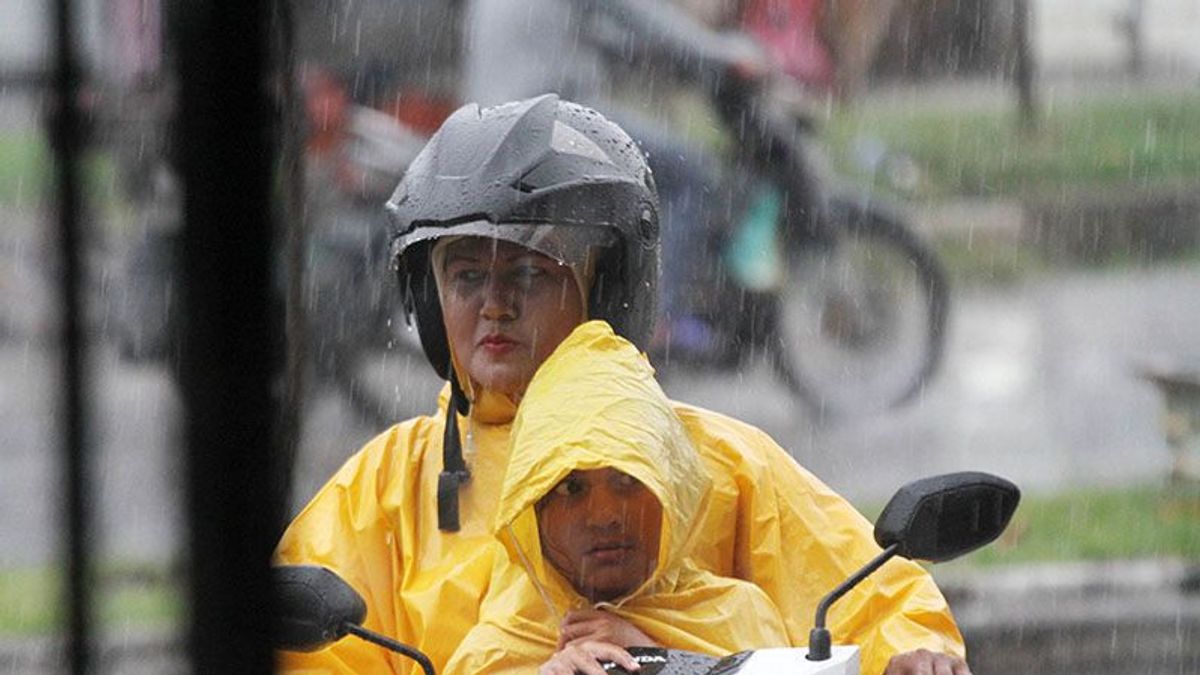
(600, 529)
(506, 308)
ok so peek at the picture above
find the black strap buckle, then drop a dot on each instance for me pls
(447, 496)
(454, 473)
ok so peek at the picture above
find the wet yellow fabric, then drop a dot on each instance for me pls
(767, 520)
(593, 404)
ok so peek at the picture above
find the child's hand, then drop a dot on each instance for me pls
(600, 626)
(585, 657)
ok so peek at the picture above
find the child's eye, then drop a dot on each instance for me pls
(624, 480)
(568, 487)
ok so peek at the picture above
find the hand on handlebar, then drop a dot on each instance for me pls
(585, 657)
(597, 625)
(925, 662)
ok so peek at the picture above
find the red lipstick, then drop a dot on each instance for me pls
(496, 343)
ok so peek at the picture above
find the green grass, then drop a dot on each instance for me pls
(31, 599)
(1140, 522)
(1098, 524)
(1088, 143)
(24, 169)
(26, 172)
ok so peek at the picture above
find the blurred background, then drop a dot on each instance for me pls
(1041, 157)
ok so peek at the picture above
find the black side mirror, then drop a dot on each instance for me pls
(935, 519)
(314, 608)
(943, 517)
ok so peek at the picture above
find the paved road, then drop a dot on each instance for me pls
(1039, 385)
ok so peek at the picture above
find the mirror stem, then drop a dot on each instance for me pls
(819, 641)
(398, 647)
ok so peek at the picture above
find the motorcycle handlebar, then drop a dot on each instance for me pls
(315, 607)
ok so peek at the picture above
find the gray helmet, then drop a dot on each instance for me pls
(547, 174)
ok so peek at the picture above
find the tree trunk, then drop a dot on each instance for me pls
(1025, 68)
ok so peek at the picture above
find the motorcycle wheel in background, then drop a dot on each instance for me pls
(355, 322)
(860, 326)
(345, 308)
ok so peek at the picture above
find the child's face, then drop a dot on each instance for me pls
(600, 529)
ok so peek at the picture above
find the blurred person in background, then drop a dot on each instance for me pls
(824, 46)
(517, 49)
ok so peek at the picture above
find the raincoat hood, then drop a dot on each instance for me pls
(594, 404)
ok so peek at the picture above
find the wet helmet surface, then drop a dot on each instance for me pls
(544, 173)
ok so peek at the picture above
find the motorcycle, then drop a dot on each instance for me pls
(934, 519)
(352, 306)
(829, 283)
(349, 314)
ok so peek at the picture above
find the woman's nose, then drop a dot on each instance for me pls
(499, 301)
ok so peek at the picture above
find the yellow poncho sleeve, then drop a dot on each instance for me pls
(797, 539)
(344, 529)
(374, 524)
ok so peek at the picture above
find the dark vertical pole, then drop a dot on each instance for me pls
(295, 217)
(1131, 22)
(68, 141)
(230, 334)
(1025, 67)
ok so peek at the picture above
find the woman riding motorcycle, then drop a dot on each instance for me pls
(560, 217)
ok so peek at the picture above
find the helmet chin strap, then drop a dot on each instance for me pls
(454, 473)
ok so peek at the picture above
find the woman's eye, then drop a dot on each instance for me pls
(467, 276)
(526, 274)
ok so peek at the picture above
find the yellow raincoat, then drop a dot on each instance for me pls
(594, 404)
(768, 521)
